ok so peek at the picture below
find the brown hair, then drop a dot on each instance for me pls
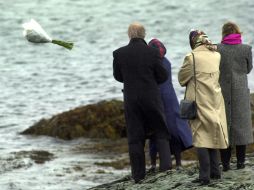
(230, 28)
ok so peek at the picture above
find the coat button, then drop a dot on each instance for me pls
(228, 103)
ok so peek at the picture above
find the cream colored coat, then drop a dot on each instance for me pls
(209, 130)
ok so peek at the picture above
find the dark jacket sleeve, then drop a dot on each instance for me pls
(249, 61)
(160, 72)
(116, 68)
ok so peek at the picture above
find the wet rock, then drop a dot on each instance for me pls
(12, 163)
(100, 171)
(116, 164)
(38, 156)
(181, 180)
(77, 168)
(103, 146)
(24, 159)
(115, 152)
(101, 120)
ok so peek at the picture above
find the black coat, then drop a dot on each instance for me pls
(140, 69)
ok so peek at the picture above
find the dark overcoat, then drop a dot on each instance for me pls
(179, 128)
(140, 69)
(236, 63)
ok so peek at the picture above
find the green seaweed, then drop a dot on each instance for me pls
(101, 120)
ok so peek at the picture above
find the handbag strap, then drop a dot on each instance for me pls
(195, 80)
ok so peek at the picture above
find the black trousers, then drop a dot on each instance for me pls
(225, 154)
(153, 150)
(137, 157)
(141, 118)
(137, 160)
(208, 163)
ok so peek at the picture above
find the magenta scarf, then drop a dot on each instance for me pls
(232, 39)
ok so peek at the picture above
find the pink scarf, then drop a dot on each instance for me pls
(232, 39)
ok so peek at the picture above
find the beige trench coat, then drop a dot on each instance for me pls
(209, 130)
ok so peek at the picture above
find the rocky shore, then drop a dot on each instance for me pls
(181, 180)
(104, 123)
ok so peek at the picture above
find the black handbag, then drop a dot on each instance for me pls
(188, 108)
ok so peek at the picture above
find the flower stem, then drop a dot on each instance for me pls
(68, 45)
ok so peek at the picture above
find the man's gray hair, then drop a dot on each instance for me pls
(136, 30)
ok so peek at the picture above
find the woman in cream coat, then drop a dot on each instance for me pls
(209, 129)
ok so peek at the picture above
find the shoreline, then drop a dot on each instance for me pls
(111, 140)
(181, 179)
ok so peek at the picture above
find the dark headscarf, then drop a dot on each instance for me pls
(158, 45)
(198, 38)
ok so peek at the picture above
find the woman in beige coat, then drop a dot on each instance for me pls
(209, 129)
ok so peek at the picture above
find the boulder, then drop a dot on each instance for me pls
(101, 120)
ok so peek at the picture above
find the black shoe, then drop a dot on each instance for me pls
(226, 167)
(240, 165)
(204, 182)
(138, 181)
(215, 176)
(201, 181)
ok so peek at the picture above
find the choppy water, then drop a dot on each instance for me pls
(41, 80)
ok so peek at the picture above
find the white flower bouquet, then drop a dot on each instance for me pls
(35, 33)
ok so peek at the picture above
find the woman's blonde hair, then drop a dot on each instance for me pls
(230, 28)
(136, 30)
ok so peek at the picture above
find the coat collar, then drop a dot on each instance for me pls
(201, 48)
(136, 40)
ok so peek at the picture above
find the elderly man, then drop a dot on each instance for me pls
(140, 69)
